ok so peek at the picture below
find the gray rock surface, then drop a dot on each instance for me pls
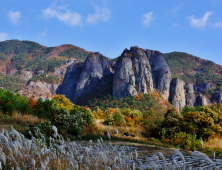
(39, 90)
(61, 71)
(177, 94)
(26, 75)
(201, 100)
(190, 96)
(90, 76)
(132, 74)
(71, 79)
(217, 98)
(201, 88)
(160, 72)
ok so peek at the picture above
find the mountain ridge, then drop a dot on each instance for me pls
(40, 65)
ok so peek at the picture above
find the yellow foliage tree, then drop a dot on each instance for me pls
(63, 102)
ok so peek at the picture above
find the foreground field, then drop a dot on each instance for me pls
(18, 152)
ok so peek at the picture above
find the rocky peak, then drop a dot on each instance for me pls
(132, 74)
(177, 94)
(160, 72)
(90, 76)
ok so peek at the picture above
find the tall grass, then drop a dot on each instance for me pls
(18, 152)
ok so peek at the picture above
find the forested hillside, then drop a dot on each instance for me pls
(16, 56)
(193, 69)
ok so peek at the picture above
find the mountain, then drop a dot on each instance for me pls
(23, 60)
(180, 78)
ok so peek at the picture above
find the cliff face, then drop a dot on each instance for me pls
(136, 71)
(90, 76)
(132, 74)
(160, 72)
(177, 94)
(190, 97)
(39, 90)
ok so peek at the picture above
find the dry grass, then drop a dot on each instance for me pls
(215, 142)
(27, 119)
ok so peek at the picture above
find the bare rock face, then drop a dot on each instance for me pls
(177, 94)
(160, 72)
(71, 79)
(39, 90)
(61, 71)
(201, 100)
(190, 96)
(90, 76)
(26, 75)
(132, 74)
(201, 88)
(217, 98)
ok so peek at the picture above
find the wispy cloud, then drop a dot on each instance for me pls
(201, 22)
(100, 15)
(175, 25)
(218, 24)
(3, 36)
(147, 18)
(63, 14)
(176, 9)
(14, 16)
(44, 33)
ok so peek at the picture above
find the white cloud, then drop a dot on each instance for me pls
(201, 22)
(175, 25)
(101, 14)
(176, 9)
(44, 33)
(14, 16)
(3, 36)
(218, 24)
(147, 18)
(63, 15)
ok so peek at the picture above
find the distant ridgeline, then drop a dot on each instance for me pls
(22, 56)
(87, 78)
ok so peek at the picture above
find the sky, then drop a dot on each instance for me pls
(110, 26)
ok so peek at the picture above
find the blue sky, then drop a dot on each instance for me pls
(110, 26)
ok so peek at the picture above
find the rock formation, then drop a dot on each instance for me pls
(160, 72)
(217, 98)
(132, 74)
(190, 96)
(90, 76)
(39, 90)
(201, 100)
(26, 75)
(177, 94)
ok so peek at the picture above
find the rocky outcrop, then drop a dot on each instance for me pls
(71, 79)
(201, 100)
(61, 71)
(190, 96)
(201, 88)
(26, 75)
(90, 76)
(39, 90)
(160, 72)
(132, 74)
(177, 94)
(217, 98)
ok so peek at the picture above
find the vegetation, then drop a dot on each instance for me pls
(44, 78)
(142, 102)
(193, 124)
(12, 83)
(192, 69)
(71, 121)
(16, 55)
(75, 52)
